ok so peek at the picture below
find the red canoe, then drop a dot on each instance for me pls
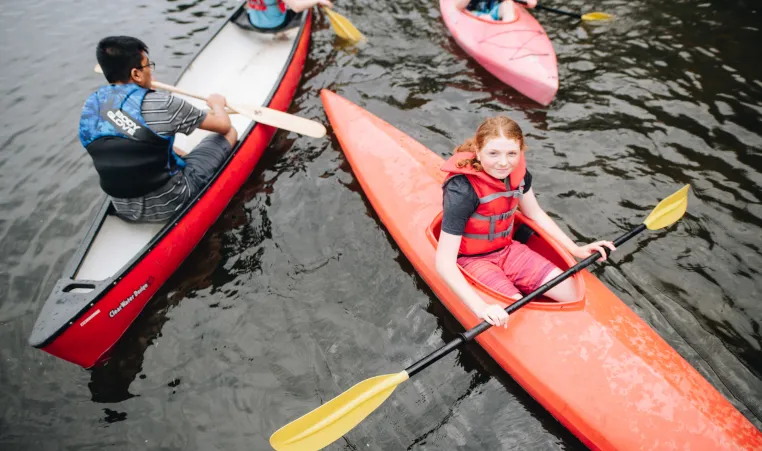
(519, 53)
(119, 266)
(592, 363)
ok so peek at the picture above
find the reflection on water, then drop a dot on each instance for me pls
(298, 292)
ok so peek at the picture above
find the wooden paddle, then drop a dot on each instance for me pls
(263, 115)
(338, 416)
(588, 16)
(343, 27)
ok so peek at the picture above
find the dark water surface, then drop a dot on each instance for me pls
(298, 292)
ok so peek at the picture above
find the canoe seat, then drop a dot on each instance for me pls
(116, 243)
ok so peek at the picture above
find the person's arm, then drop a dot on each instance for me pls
(459, 203)
(531, 208)
(216, 120)
(447, 268)
(300, 5)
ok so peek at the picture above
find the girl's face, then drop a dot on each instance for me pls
(500, 156)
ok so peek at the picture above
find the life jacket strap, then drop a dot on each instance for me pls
(519, 192)
(492, 236)
(495, 218)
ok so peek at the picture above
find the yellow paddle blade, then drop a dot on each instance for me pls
(669, 210)
(597, 16)
(332, 420)
(343, 27)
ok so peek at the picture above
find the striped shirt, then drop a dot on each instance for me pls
(166, 115)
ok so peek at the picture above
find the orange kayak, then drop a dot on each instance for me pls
(592, 363)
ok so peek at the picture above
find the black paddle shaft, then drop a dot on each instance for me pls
(471, 334)
(553, 10)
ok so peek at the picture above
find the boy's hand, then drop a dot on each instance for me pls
(216, 100)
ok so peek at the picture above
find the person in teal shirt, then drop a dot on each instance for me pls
(276, 14)
(497, 10)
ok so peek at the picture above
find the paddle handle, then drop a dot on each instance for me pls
(472, 333)
(553, 10)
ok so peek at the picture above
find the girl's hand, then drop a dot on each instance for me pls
(494, 314)
(531, 3)
(582, 252)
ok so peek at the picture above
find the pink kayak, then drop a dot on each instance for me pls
(519, 53)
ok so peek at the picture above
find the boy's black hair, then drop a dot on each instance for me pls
(118, 55)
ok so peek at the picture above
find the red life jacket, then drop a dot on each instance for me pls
(490, 228)
(260, 5)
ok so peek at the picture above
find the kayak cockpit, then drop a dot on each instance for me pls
(537, 241)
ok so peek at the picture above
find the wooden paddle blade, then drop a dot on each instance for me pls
(669, 211)
(279, 119)
(332, 420)
(343, 27)
(597, 16)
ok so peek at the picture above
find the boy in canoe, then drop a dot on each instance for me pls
(487, 183)
(499, 11)
(129, 130)
(275, 15)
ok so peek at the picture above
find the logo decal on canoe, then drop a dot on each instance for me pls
(132, 297)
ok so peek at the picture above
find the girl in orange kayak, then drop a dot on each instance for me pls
(496, 10)
(487, 182)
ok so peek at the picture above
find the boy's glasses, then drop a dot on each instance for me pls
(151, 64)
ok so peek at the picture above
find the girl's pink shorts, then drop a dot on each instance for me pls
(513, 270)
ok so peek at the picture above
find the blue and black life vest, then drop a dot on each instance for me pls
(130, 158)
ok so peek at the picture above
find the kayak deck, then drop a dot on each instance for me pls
(592, 363)
(119, 265)
(519, 53)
